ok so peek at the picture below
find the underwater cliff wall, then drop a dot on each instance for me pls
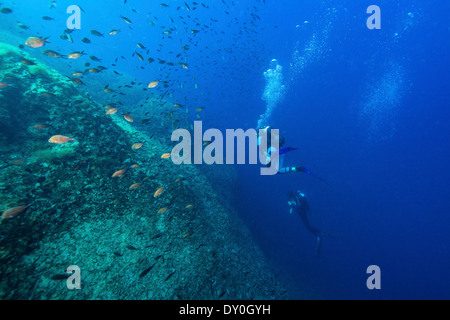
(129, 244)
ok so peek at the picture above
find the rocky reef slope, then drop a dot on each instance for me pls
(188, 244)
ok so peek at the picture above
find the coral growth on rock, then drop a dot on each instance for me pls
(80, 215)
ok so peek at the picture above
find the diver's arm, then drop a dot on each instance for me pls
(291, 206)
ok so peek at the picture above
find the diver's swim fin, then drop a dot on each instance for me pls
(313, 175)
(319, 246)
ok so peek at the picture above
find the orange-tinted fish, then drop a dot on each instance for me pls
(40, 126)
(111, 111)
(48, 94)
(119, 173)
(137, 146)
(180, 179)
(3, 85)
(189, 206)
(17, 161)
(128, 118)
(187, 235)
(53, 54)
(36, 42)
(76, 80)
(27, 62)
(158, 192)
(153, 84)
(58, 139)
(76, 55)
(165, 156)
(136, 166)
(135, 186)
(13, 212)
(162, 210)
(108, 89)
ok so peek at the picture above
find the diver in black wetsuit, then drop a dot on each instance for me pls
(299, 203)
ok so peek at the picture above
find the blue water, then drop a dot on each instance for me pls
(368, 110)
(388, 201)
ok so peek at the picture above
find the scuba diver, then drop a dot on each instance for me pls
(282, 152)
(298, 203)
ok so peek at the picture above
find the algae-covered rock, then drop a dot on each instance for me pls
(38, 70)
(53, 153)
(112, 228)
(7, 50)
